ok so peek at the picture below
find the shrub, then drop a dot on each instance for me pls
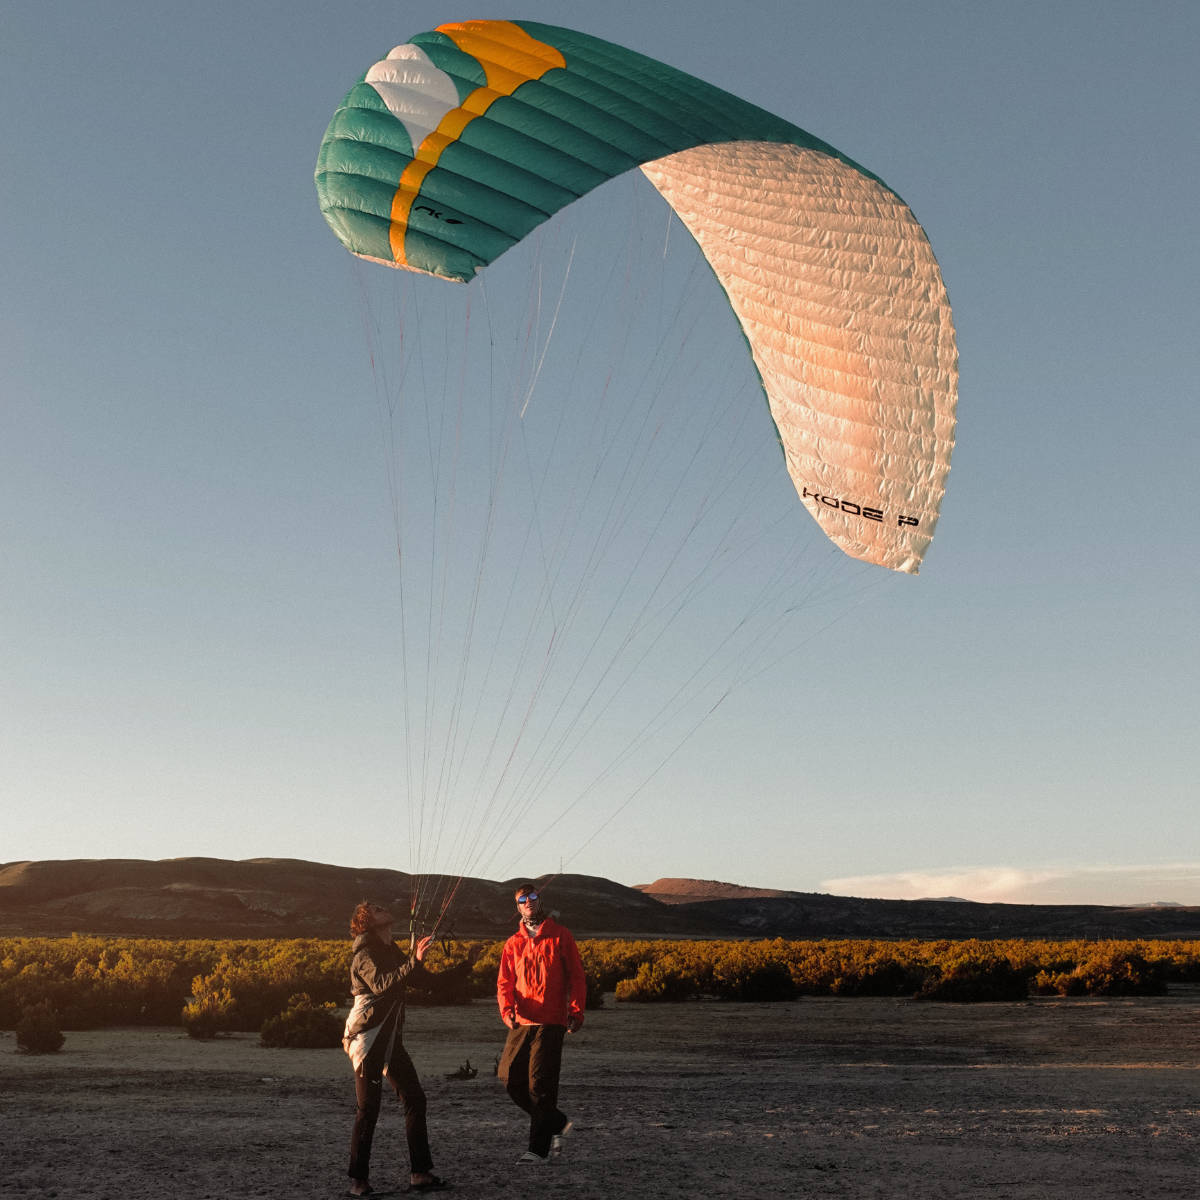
(1123, 975)
(740, 977)
(611, 961)
(481, 982)
(654, 982)
(38, 1031)
(595, 991)
(253, 981)
(888, 978)
(1055, 983)
(209, 1011)
(447, 984)
(1108, 973)
(303, 1025)
(976, 981)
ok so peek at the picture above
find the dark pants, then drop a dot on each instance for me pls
(368, 1089)
(529, 1067)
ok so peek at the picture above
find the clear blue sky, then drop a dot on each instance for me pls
(198, 595)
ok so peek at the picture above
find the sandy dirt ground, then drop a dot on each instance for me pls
(822, 1098)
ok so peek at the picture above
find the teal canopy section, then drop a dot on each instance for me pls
(531, 153)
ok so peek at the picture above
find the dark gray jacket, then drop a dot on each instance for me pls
(378, 974)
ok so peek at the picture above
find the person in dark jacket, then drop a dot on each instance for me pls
(541, 990)
(378, 975)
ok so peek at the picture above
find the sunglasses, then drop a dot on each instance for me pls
(527, 897)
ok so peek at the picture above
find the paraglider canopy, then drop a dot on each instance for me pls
(460, 142)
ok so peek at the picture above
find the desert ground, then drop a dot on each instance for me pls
(821, 1097)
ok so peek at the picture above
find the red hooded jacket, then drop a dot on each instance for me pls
(541, 979)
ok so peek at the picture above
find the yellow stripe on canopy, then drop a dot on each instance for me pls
(509, 57)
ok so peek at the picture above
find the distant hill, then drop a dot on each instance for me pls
(692, 891)
(272, 897)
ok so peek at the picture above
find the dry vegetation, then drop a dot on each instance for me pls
(221, 986)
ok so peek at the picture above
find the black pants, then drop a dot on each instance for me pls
(368, 1089)
(530, 1067)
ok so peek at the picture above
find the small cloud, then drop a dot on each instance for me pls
(1120, 885)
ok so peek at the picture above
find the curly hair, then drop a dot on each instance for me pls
(362, 917)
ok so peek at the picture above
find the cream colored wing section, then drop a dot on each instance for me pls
(842, 303)
(416, 92)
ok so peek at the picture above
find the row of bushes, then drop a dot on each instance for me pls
(93, 982)
(301, 1025)
(221, 986)
(938, 970)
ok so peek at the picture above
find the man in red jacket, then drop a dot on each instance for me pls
(541, 992)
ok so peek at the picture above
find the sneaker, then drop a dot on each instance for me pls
(556, 1142)
(530, 1157)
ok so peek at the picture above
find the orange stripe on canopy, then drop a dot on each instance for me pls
(509, 57)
